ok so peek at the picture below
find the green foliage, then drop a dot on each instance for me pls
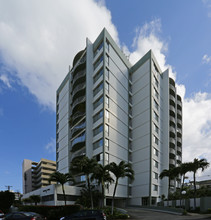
(52, 212)
(116, 214)
(6, 200)
(35, 198)
(85, 200)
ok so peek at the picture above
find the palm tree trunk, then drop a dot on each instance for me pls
(64, 194)
(103, 194)
(194, 195)
(90, 193)
(112, 208)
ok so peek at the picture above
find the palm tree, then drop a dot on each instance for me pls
(102, 175)
(120, 171)
(61, 178)
(86, 166)
(194, 167)
(171, 174)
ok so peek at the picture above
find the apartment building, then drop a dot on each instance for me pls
(36, 174)
(113, 111)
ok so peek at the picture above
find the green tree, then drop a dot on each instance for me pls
(194, 167)
(61, 178)
(35, 198)
(6, 200)
(86, 166)
(120, 170)
(102, 175)
(170, 174)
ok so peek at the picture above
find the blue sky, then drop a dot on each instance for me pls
(39, 39)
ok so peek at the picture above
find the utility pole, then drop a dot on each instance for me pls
(8, 187)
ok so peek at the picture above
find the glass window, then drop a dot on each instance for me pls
(106, 157)
(107, 45)
(97, 116)
(107, 59)
(155, 81)
(97, 75)
(156, 116)
(107, 73)
(97, 130)
(155, 175)
(98, 102)
(155, 163)
(98, 144)
(156, 140)
(156, 129)
(107, 143)
(107, 114)
(155, 151)
(107, 86)
(97, 89)
(97, 63)
(107, 129)
(107, 100)
(156, 105)
(155, 187)
(98, 48)
(156, 93)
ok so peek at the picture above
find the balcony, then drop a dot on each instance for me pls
(172, 119)
(171, 82)
(172, 89)
(78, 101)
(172, 132)
(77, 57)
(78, 142)
(172, 151)
(172, 111)
(78, 78)
(179, 149)
(78, 128)
(172, 142)
(78, 88)
(172, 161)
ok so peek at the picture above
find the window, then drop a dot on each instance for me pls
(155, 151)
(98, 48)
(106, 157)
(156, 105)
(97, 116)
(155, 187)
(156, 116)
(107, 59)
(98, 102)
(57, 107)
(156, 129)
(156, 140)
(107, 129)
(57, 126)
(107, 114)
(155, 163)
(107, 100)
(83, 178)
(107, 73)
(107, 86)
(155, 175)
(155, 81)
(97, 75)
(156, 93)
(97, 63)
(97, 89)
(107, 143)
(98, 144)
(107, 45)
(97, 130)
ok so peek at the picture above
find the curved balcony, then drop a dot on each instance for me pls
(179, 133)
(172, 132)
(79, 91)
(179, 142)
(77, 57)
(79, 154)
(172, 111)
(172, 119)
(172, 151)
(78, 128)
(78, 142)
(172, 161)
(172, 142)
(171, 82)
(179, 149)
(179, 98)
(179, 121)
(77, 117)
(172, 100)
(80, 77)
(172, 90)
(78, 101)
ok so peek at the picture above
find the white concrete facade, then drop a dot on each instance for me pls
(113, 111)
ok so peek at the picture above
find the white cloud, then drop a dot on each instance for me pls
(4, 78)
(51, 146)
(206, 59)
(39, 40)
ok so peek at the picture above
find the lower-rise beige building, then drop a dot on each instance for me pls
(36, 174)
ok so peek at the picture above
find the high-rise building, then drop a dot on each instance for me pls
(36, 174)
(113, 111)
